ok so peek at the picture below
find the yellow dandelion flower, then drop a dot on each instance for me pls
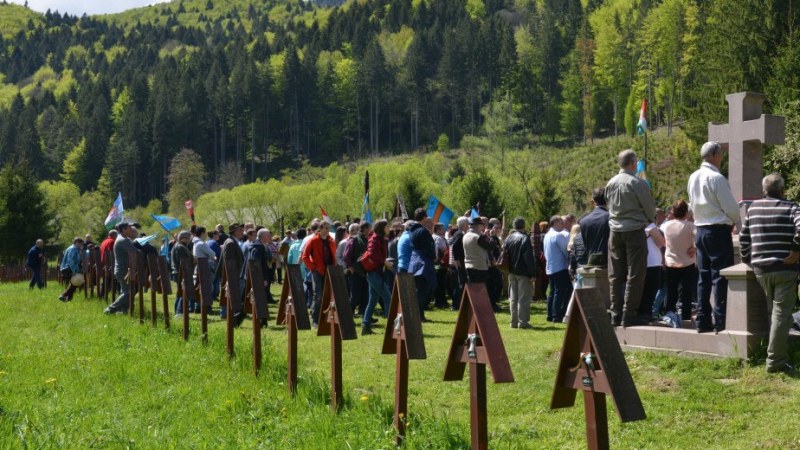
(50, 380)
(364, 398)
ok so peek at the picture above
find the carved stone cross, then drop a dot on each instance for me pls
(744, 135)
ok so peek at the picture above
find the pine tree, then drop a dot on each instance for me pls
(22, 212)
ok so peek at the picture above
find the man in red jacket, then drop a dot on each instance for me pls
(317, 256)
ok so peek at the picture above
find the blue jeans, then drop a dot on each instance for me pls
(558, 297)
(317, 283)
(377, 291)
(714, 253)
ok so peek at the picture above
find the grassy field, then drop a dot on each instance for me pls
(71, 377)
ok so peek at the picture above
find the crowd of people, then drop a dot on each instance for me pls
(663, 266)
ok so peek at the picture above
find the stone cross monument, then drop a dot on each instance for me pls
(744, 135)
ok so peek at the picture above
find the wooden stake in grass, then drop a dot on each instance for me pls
(477, 342)
(152, 270)
(403, 337)
(185, 291)
(166, 287)
(204, 288)
(338, 324)
(258, 291)
(592, 361)
(292, 312)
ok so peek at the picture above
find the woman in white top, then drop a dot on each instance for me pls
(652, 281)
(681, 272)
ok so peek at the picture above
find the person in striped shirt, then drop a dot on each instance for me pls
(770, 244)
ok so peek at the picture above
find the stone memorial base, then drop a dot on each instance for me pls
(747, 330)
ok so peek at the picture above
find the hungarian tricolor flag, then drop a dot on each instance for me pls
(641, 126)
(325, 216)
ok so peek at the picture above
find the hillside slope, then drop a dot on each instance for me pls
(14, 18)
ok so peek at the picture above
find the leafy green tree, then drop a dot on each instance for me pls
(22, 212)
(187, 177)
(478, 187)
(545, 196)
(443, 143)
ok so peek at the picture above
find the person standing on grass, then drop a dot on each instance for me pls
(423, 254)
(122, 246)
(233, 256)
(256, 253)
(181, 259)
(557, 269)
(715, 214)
(377, 252)
(34, 262)
(631, 208)
(521, 272)
(770, 243)
(319, 253)
(71, 264)
(456, 243)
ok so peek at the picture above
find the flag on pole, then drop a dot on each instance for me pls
(641, 127)
(190, 207)
(115, 214)
(366, 214)
(167, 223)
(438, 212)
(146, 239)
(474, 213)
(641, 171)
(325, 216)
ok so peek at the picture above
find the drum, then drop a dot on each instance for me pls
(77, 280)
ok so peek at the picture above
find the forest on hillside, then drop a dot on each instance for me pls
(96, 105)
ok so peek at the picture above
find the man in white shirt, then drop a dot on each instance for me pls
(715, 214)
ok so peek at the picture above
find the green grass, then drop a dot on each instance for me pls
(71, 377)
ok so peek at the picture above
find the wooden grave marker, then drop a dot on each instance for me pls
(258, 295)
(141, 281)
(166, 286)
(403, 337)
(231, 289)
(86, 268)
(592, 361)
(152, 270)
(338, 324)
(292, 312)
(477, 342)
(185, 289)
(204, 287)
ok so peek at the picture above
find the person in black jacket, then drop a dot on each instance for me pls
(521, 272)
(34, 263)
(595, 230)
(256, 252)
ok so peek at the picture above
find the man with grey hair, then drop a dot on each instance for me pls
(715, 214)
(770, 243)
(123, 245)
(631, 208)
(456, 244)
(521, 272)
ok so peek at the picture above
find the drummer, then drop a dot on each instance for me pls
(71, 265)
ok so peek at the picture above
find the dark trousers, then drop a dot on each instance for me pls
(652, 282)
(558, 297)
(36, 278)
(423, 292)
(359, 293)
(460, 281)
(627, 270)
(495, 286)
(440, 297)
(280, 275)
(714, 253)
(681, 281)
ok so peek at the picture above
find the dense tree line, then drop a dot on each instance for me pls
(107, 105)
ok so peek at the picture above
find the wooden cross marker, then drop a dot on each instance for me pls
(477, 342)
(155, 287)
(136, 276)
(185, 290)
(403, 337)
(258, 292)
(338, 324)
(744, 135)
(231, 289)
(166, 287)
(204, 284)
(592, 361)
(86, 266)
(293, 313)
(108, 275)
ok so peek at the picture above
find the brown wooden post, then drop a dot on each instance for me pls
(141, 276)
(185, 289)
(231, 289)
(403, 337)
(339, 324)
(204, 283)
(152, 269)
(294, 317)
(258, 296)
(477, 342)
(132, 276)
(223, 302)
(166, 287)
(592, 361)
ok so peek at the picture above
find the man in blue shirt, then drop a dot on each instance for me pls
(557, 269)
(404, 248)
(34, 262)
(71, 264)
